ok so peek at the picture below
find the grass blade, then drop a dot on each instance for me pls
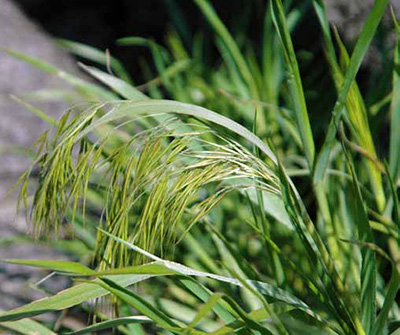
(38, 112)
(68, 298)
(111, 324)
(121, 87)
(318, 256)
(368, 265)
(59, 266)
(223, 311)
(390, 298)
(92, 91)
(357, 56)
(264, 288)
(95, 55)
(162, 267)
(359, 124)
(230, 44)
(394, 155)
(27, 326)
(137, 302)
(123, 109)
(319, 8)
(294, 81)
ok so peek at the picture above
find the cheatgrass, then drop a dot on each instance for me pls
(222, 201)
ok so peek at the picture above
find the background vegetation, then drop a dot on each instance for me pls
(244, 192)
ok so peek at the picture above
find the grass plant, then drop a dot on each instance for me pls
(209, 188)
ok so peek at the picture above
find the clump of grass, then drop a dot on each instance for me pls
(272, 255)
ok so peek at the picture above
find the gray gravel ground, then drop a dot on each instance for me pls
(19, 128)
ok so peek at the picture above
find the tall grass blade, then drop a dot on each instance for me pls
(359, 124)
(368, 263)
(319, 8)
(394, 155)
(357, 56)
(230, 43)
(294, 81)
(390, 298)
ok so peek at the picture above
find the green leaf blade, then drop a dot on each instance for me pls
(357, 56)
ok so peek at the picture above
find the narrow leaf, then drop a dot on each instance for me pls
(357, 56)
(294, 81)
(111, 324)
(95, 55)
(368, 265)
(394, 155)
(70, 297)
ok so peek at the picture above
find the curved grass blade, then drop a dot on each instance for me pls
(68, 298)
(158, 268)
(26, 326)
(111, 324)
(138, 41)
(124, 109)
(265, 289)
(357, 56)
(120, 86)
(126, 90)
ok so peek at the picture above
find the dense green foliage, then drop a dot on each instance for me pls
(272, 231)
